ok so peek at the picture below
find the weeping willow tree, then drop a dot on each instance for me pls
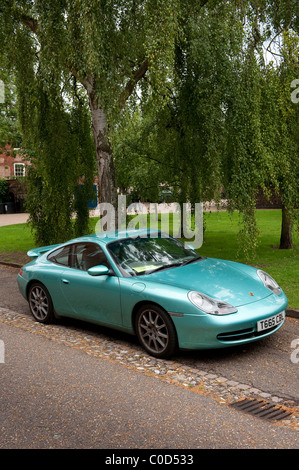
(9, 128)
(289, 133)
(60, 179)
(208, 137)
(262, 119)
(244, 153)
(181, 144)
(55, 125)
(106, 46)
(224, 125)
(193, 67)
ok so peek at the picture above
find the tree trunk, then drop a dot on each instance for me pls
(105, 163)
(286, 241)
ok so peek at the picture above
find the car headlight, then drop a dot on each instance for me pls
(209, 305)
(269, 282)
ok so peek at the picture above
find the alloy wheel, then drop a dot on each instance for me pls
(40, 303)
(155, 331)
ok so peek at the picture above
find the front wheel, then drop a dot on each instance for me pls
(40, 303)
(155, 331)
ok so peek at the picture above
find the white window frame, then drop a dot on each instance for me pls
(19, 165)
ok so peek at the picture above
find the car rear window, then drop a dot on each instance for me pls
(61, 255)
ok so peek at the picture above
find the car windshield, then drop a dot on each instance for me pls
(144, 255)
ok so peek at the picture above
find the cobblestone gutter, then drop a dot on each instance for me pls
(223, 390)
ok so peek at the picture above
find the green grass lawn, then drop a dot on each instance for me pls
(16, 238)
(220, 241)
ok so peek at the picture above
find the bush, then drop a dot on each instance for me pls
(3, 190)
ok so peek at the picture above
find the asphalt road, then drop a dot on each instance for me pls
(265, 364)
(54, 396)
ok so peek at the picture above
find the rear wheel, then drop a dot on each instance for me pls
(40, 303)
(155, 331)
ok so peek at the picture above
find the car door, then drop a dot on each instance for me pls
(91, 298)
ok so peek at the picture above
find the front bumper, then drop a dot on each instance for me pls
(204, 331)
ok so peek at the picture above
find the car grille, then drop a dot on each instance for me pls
(241, 335)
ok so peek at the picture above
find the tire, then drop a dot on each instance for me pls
(155, 331)
(40, 303)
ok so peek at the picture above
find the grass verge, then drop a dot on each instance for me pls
(220, 241)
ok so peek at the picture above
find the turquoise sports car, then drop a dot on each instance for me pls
(147, 283)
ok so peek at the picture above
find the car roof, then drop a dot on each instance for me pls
(114, 235)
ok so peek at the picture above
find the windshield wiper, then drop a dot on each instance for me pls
(173, 265)
(192, 260)
(165, 266)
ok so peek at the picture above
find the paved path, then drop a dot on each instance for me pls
(11, 219)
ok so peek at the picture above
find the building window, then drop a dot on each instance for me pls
(19, 169)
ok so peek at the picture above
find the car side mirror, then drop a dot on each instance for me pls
(99, 270)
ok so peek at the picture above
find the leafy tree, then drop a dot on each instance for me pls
(282, 130)
(108, 46)
(3, 190)
(9, 128)
(201, 140)
(226, 117)
(63, 160)
(180, 144)
(193, 69)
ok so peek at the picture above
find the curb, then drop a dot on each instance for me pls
(290, 312)
(12, 265)
(294, 313)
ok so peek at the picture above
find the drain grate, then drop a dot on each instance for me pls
(261, 408)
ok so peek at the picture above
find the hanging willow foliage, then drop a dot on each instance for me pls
(62, 160)
(60, 147)
(229, 124)
(56, 129)
(195, 68)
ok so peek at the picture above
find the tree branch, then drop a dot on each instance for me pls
(25, 19)
(30, 22)
(129, 88)
(175, 167)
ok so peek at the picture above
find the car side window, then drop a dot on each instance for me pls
(61, 256)
(80, 256)
(87, 255)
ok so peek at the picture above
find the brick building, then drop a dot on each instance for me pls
(12, 165)
(12, 169)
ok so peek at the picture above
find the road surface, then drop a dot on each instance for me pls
(54, 395)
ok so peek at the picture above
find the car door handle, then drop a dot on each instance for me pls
(65, 281)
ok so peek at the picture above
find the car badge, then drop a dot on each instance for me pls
(250, 293)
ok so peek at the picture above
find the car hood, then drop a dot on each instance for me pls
(231, 282)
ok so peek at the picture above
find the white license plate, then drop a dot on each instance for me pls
(270, 322)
